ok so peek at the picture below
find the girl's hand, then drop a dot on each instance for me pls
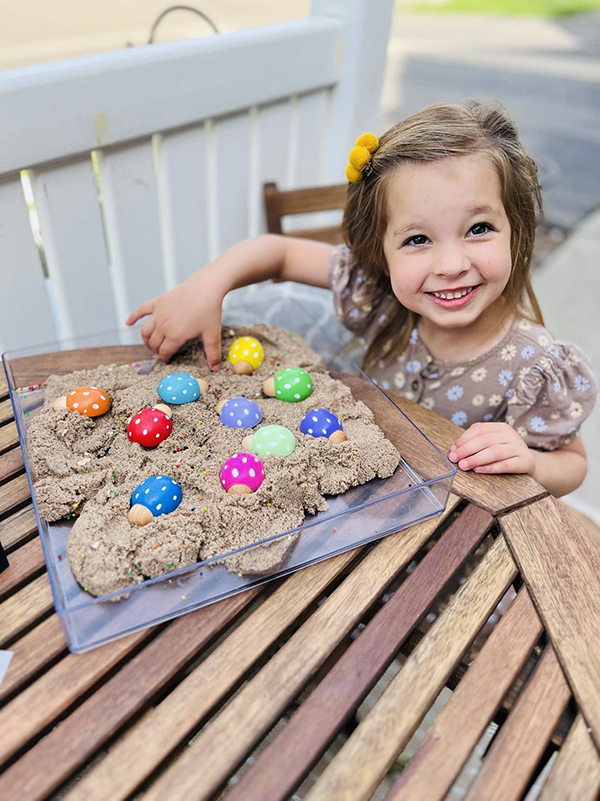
(492, 448)
(181, 314)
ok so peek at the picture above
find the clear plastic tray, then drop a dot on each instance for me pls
(418, 490)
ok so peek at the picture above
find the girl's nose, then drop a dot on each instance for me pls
(452, 260)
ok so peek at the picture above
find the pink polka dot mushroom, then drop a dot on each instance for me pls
(242, 474)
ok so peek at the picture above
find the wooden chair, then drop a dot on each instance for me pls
(280, 204)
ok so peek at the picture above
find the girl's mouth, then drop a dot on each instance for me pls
(454, 302)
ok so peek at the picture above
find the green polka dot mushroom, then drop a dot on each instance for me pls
(291, 385)
(271, 441)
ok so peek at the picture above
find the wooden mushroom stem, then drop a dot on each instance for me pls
(221, 403)
(338, 436)
(239, 489)
(247, 442)
(268, 387)
(60, 403)
(162, 407)
(139, 515)
(243, 368)
(203, 386)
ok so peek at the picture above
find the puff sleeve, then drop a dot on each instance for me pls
(361, 307)
(553, 397)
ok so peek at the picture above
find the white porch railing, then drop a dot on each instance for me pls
(183, 135)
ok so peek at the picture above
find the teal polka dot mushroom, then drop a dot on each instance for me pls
(291, 384)
(271, 441)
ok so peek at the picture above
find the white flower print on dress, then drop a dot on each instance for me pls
(504, 376)
(581, 383)
(399, 380)
(414, 335)
(545, 363)
(435, 385)
(409, 395)
(537, 425)
(523, 373)
(572, 359)
(458, 371)
(521, 431)
(413, 367)
(455, 392)
(543, 341)
(478, 400)
(428, 403)
(508, 352)
(555, 416)
(512, 399)
(509, 420)
(527, 352)
(495, 400)
(459, 418)
(487, 417)
(575, 409)
(479, 374)
(524, 325)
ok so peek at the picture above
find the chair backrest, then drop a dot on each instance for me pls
(279, 204)
(146, 163)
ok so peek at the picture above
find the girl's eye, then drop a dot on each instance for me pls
(479, 229)
(419, 239)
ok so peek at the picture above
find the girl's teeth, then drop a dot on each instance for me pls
(452, 295)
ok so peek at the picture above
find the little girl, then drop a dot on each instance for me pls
(434, 279)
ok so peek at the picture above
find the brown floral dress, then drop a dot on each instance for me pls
(542, 387)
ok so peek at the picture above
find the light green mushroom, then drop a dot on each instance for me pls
(271, 441)
(291, 384)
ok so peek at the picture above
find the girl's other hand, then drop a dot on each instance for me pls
(492, 448)
(177, 316)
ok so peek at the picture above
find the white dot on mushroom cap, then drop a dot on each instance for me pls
(244, 459)
(235, 472)
(296, 380)
(185, 391)
(324, 430)
(137, 494)
(278, 392)
(145, 431)
(329, 420)
(169, 388)
(156, 419)
(174, 397)
(231, 414)
(75, 405)
(102, 396)
(147, 491)
(173, 482)
(262, 471)
(256, 356)
(72, 393)
(179, 378)
(86, 393)
(163, 489)
(239, 422)
(168, 426)
(222, 481)
(130, 434)
(158, 436)
(251, 472)
(296, 395)
(287, 447)
(246, 411)
(279, 377)
(287, 386)
(309, 386)
(158, 506)
(315, 418)
(235, 404)
(137, 421)
(310, 430)
(174, 497)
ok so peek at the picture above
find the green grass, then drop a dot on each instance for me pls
(537, 8)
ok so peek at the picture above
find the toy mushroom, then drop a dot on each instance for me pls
(181, 388)
(239, 413)
(242, 474)
(292, 384)
(246, 355)
(88, 401)
(271, 441)
(150, 426)
(157, 495)
(323, 423)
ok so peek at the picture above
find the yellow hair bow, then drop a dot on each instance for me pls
(360, 157)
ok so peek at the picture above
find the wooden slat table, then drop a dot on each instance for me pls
(254, 698)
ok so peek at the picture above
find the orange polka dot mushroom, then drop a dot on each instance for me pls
(88, 401)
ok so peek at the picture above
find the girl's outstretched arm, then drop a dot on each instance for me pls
(497, 448)
(193, 309)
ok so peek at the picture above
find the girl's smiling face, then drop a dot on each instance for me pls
(447, 232)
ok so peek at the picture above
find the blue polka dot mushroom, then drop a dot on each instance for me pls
(157, 495)
(292, 384)
(239, 413)
(271, 441)
(181, 388)
(323, 423)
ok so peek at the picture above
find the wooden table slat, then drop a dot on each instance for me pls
(575, 776)
(11, 463)
(520, 743)
(387, 728)
(289, 757)
(54, 758)
(6, 410)
(25, 562)
(8, 436)
(460, 724)
(13, 493)
(3, 384)
(193, 699)
(32, 652)
(561, 565)
(25, 607)
(39, 704)
(18, 527)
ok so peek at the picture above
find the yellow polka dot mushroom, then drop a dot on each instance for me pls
(246, 355)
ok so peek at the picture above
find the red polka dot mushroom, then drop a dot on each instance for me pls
(150, 426)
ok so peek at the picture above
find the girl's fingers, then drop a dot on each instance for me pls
(141, 311)
(486, 456)
(156, 340)
(476, 430)
(147, 331)
(511, 465)
(212, 348)
(478, 443)
(168, 349)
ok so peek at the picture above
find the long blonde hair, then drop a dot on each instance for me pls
(441, 131)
